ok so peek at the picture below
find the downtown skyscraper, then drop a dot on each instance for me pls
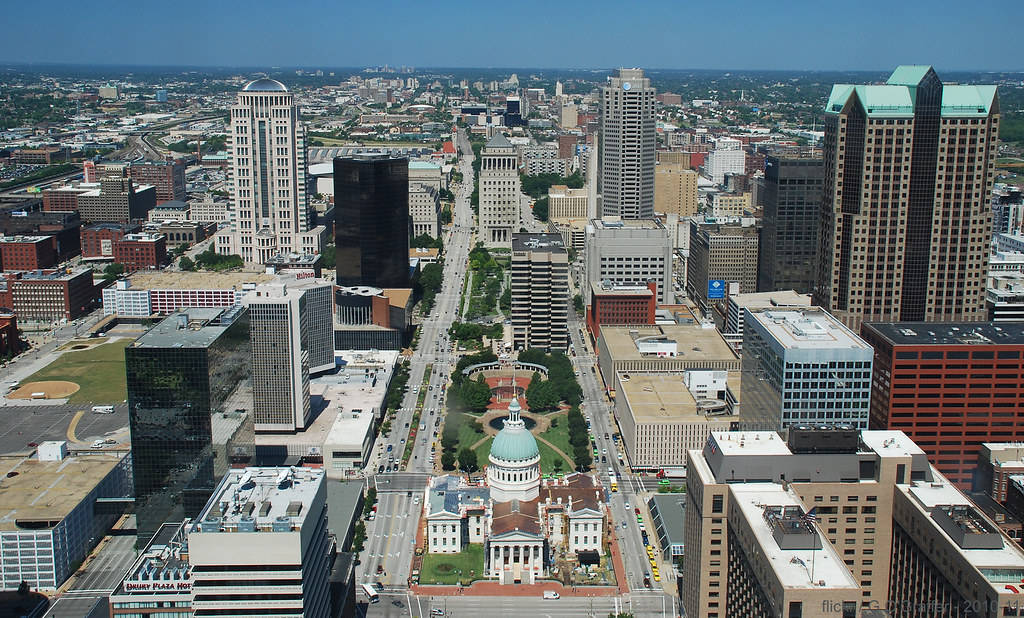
(499, 192)
(372, 235)
(626, 147)
(905, 219)
(268, 215)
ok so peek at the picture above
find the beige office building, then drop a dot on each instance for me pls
(834, 522)
(662, 415)
(269, 214)
(906, 218)
(674, 157)
(675, 189)
(730, 204)
(499, 192)
(569, 116)
(566, 203)
(722, 256)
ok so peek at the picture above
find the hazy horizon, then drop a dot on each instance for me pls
(740, 36)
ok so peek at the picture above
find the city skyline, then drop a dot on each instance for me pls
(871, 38)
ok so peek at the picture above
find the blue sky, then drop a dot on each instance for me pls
(728, 34)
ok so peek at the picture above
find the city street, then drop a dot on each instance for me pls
(599, 412)
(642, 605)
(391, 537)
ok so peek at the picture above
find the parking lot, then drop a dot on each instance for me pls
(22, 425)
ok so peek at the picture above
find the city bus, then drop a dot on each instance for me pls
(371, 593)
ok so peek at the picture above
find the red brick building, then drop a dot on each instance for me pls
(9, 342)
(98, 239)
(167, 176)
(567, 146)
(620, 305)
(49, 295)
(141, 252)
(28, 252)
(64, 199)
(997, 462)
(950, 386)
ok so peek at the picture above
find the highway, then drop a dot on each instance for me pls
(391, 537)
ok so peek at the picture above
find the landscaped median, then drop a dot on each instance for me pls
(414, 425)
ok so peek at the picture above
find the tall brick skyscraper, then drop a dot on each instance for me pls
(905, 216)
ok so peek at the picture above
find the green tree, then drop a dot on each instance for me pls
(505, 301)
(448, 460)
(327, 257)
(540, 209)
(477, 394)
(577, 303)
(371, 499)
(186, 263)
(113, 271)
(582, 457)
(446, 215)
(426, 240)
(467, 460)
(358, 536)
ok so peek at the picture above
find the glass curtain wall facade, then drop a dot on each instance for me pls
(183, 440)
(371, 195)
(789, 232)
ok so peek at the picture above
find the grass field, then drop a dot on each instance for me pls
(99, 371)
(466, 566)
(559, 436)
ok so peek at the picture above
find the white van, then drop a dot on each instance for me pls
(551, 594)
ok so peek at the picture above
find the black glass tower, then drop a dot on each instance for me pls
(185, 431)
(789, 231)
(371, 195)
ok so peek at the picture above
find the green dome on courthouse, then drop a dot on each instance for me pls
(514, 442)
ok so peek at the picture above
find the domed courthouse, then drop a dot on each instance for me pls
(514, 471)
(521, 522)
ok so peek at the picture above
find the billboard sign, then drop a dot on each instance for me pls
(716, 289)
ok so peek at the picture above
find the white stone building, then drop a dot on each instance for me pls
(520, 520)
(424, 210)
(499, 192)
(727, 158)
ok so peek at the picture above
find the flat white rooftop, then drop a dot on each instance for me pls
(781, 298)
(808, 330)
(943, 493)
(890, 443)
(750, 443)
(263, 498)
(794, 568)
